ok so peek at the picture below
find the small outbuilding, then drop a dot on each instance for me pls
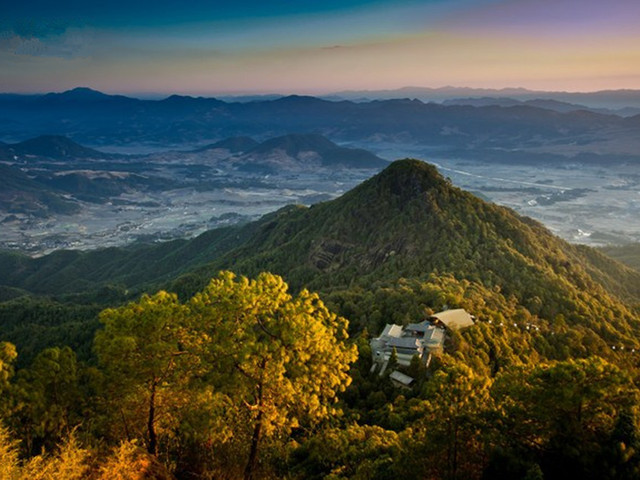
(454, 319)
(401, 380)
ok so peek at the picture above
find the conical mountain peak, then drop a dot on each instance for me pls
(407, 178)
(409, 221)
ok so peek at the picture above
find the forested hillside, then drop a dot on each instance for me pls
(628, 254)
(206, 378)
(406, 223)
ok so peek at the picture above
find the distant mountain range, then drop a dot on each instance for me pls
(302, 150)
(536, 131)
(305, 150)
(605, 99)
(549, 104)
(296, 151)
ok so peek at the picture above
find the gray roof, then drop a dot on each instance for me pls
(392, 330)
(454, 319)
(418, 327)
(434, 335)
(405, 342)
(377, 344)
(401, 378)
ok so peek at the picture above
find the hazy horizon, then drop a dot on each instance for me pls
(159, 95)
(247, 47)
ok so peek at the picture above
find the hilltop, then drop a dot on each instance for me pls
(407, 223)
(49, 146)
(308, 150)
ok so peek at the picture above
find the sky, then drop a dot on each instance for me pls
(209, 47)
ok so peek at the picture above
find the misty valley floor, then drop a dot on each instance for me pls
(580, 203)
(589, 204)
(165, 215)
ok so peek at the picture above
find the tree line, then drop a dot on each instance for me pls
(247, 380)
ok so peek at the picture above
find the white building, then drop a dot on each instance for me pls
(421, 339)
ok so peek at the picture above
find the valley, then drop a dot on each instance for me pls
(581, 203)
(169, 214)
(169, 195)
(153, 174)
(117, 200)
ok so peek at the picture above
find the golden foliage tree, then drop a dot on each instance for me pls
(143, 350)
(279, 359)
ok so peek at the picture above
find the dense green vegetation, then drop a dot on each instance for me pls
(628, 254)
(233, 371)
(83, 276)
(188, 380)
(236, 378)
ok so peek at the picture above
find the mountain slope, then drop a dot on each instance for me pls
(21, 194)
(134, 267)
(409, 222)
(49, 146)
(627, 254)
(401, 242)
(307, 150)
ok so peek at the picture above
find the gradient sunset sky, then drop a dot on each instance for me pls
(239, 47)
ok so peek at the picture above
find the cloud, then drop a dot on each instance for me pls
(70, 43)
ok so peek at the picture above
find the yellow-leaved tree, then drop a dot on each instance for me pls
(143, 348)
(8, 356)
(241, 362)
(279, 360)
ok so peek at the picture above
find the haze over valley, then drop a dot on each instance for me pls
(81, 198)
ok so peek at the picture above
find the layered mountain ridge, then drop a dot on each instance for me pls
(96, 118)
(407, 221)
